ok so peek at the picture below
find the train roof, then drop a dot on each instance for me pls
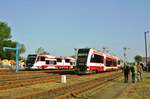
(48, 56)
(65, 57)
(45, 55)
(101, 52)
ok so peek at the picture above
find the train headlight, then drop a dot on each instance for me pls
(88, 68)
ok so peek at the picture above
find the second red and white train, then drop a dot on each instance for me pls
(89, 60)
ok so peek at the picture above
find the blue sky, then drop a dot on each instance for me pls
(59, 26)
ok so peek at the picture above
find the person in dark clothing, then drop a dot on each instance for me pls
(126, 70)
(142, 66)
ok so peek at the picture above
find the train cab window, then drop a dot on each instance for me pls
(59, 60)
(67, 60)
(42, 58)
(31, 59)
(38, 59)
(97, 58)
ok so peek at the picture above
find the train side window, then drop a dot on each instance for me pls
(118, 62)
(42, 58)
(115, 62)
(54, 62)
(108, 62)
(59, 60)
(97, 58)
(67, 60)
(47, 61)
(51, 62)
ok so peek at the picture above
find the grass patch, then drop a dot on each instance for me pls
(147, 77)
(138, 90)
(1, 81)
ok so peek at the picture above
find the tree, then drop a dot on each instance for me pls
(138, 58)
(22, 48)
(41, 50)
(5, 35)
(8, 54)
(5, 31)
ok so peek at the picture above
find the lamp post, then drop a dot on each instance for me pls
(125, 53)
(146, 49)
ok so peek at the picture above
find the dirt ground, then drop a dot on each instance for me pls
(116, 89)
(27, 90)
(119, 90)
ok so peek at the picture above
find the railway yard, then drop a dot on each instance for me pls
(75, 49)
(46, 84)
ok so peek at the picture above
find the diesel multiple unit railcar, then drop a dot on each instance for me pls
(89, 60)
(35, 61)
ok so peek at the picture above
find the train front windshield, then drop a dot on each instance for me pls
(82, 56)
(31, 60)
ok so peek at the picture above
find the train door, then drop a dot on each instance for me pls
(67, 63)
(50, 63)
(40, 62)
(72, 63)
(96, 62)
(109, 63)
(59, 63)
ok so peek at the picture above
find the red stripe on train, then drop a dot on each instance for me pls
(63, 66)
(97, 68)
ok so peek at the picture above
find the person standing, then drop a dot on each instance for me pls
(126, 70)
(139, 72)
(133, 70)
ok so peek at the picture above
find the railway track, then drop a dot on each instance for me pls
(5, 78)
(7, 75)
(9, 79)
(26, 82)
(8, 72)
(22, 80)
(73, 90)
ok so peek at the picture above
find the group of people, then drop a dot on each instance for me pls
(136, 70)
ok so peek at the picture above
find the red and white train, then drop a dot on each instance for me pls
(89, 60)
(35, 61)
